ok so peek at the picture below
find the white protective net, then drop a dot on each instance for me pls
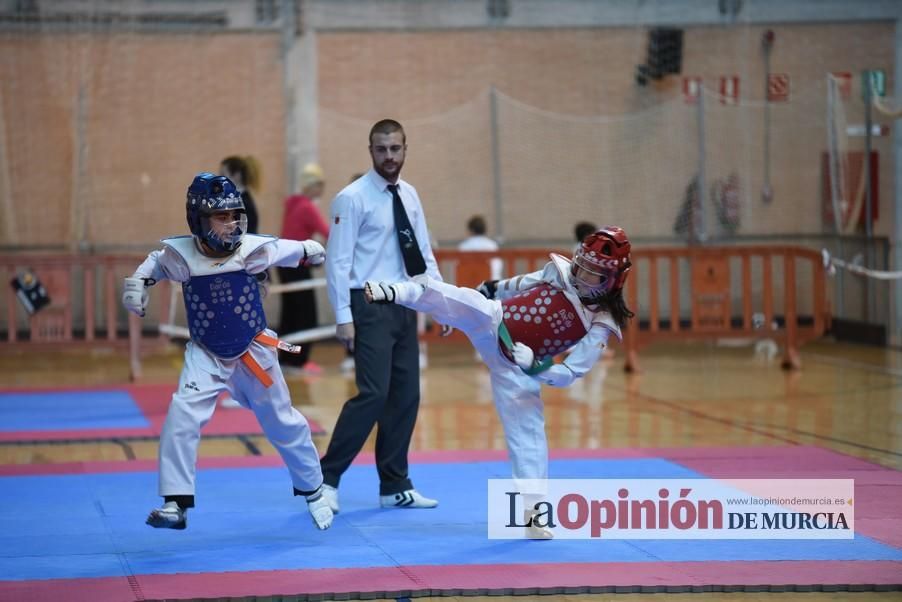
(861, 278)
(107, 109)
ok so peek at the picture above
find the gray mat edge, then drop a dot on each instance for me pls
(556, 591)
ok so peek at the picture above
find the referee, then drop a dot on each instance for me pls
(378, 232)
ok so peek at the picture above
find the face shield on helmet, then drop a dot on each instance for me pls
(590, 282)
(215, 212)
(223, 230)
(601, 264)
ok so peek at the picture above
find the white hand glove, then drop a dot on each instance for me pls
(135, 296)
(523, 355)
(314, 253)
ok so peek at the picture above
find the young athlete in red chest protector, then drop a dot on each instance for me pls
(520, 324)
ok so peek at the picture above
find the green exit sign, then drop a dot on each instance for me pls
(876, 79)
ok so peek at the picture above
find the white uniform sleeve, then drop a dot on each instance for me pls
(512, 286)
(163, 264)
(580, 360)
(283, 253)
(340, 255)
(422, 233)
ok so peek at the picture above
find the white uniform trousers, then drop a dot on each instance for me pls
(203, 378)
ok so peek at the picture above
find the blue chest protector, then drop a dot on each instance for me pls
(225, 311)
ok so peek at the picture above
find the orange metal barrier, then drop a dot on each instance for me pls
(711, 273)
(711, 292)
(85, 308)
(64, 277)
(718, 282)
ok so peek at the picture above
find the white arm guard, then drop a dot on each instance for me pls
(511, 286)
(135, 296)
(314, 253)
(558, 375)
(580, 361)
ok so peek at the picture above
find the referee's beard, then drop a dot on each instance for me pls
(390, 174)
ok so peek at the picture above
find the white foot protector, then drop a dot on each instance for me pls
(170, 516)
(407, 499)
(320, 511)
(330, 494)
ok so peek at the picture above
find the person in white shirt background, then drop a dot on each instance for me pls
(478, 241)
(580, 231)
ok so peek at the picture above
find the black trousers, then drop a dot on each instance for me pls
(388, 383)
(298, 313)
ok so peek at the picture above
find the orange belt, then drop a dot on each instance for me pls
(252, 364)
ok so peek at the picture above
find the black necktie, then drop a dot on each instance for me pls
(410, 249)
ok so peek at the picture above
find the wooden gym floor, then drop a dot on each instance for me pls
(846, 398)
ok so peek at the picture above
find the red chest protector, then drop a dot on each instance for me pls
(543, 319)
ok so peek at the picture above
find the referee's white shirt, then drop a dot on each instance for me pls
(363, 242)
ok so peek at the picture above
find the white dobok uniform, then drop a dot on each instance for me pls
(205, 375)
(516, 394)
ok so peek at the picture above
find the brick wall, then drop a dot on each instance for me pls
(102, 132)
(586, 142)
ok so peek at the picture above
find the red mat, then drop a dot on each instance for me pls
(878, 512)
(474, 580)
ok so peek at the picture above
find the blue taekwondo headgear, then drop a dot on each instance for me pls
(209, 194)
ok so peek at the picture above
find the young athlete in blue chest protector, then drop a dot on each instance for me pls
(231, 347)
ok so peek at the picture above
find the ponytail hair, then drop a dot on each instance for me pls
(248, 169)
(254, 179)
(614, 304)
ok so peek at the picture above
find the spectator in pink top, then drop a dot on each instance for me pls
(299, 308)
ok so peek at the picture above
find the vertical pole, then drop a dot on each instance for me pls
(895, 321)
(496, 163)
(77, 224)
(767, 194)
(653, 293)
(300, 68)
(674, 293)
(631, 334)
(835, 162)
(288, 92)
(747, 292)
(701, 188)
(791, 359)
(11, 325)
(868, 217)
(10, 230)
(89, 295)
(109, 300)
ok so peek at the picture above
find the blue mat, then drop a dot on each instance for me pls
(69, 410)
(93, 525)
